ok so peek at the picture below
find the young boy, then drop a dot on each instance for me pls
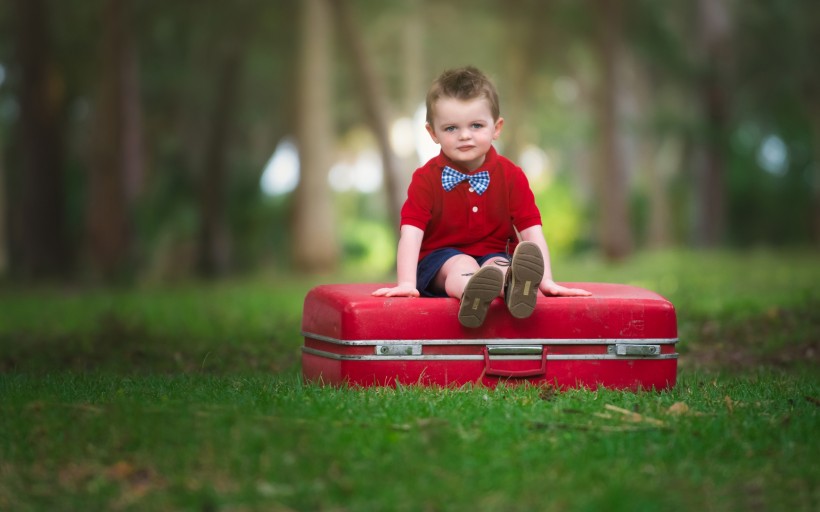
(465, 208)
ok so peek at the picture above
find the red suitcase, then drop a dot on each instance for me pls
(621, 337)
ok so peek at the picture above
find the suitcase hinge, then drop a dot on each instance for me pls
(398, 350)
(629, 349)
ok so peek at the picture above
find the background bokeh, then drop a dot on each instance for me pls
(145, 141)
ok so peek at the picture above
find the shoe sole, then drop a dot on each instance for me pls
(485, 285)
(526, 271)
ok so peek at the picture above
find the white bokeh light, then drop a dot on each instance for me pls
(281, 174)
(537, 166)
(773, 155)
(403, 137)
(425, 147)
(565, 89)
(363, 175)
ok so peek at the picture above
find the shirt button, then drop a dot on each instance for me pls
(475, 209)
(472, 189)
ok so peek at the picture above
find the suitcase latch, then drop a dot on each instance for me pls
(515, 350)
(398, 350)
(629, 349)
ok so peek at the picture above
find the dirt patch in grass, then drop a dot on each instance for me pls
(786, 339)
(122, 347)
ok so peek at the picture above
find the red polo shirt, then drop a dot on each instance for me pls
(474, 224)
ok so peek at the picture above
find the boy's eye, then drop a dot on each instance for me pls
(477, 126)
(449, 128)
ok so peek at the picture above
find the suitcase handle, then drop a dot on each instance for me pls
(515, 373)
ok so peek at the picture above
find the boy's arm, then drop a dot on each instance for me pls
(407, 259)
(548, 286)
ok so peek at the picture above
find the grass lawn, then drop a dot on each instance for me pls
(189, 398)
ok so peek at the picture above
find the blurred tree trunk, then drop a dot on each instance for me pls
(4, 238)
(663, 164)
(39, 230)
(133, 136)
(313, 228)
(614, 231)
(214, 250)
(811, 97)
(374, 102)
(815, 178)
(414, 88)
(116, 168)
(214, 247)
(710, 158)
(414, 82)
(658, 158)
(528, 38)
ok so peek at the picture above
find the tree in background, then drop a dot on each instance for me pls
(4, 238)
(712, 37)
(40, 245)
(115, 171)
(614, 231)
(778, 90)
(313, 226)
(529, 37)
(374, 102)
(215, 245)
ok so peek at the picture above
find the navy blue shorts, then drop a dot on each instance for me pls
(429, 266)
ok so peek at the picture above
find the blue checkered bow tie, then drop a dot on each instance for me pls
(451, 177)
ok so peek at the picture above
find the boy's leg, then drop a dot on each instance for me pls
(477, 287)
(523, 279)
(452, 277)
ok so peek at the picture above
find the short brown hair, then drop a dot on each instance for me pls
(465, 83)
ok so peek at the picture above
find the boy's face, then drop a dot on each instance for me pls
(465, 129)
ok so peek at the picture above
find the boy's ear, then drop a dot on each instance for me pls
(431, 132)
(498, 125)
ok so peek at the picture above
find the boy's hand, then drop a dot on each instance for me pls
(551, 289)
(402, 290)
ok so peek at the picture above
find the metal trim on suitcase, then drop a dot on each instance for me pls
(468, 357)
(501, 349)
(497, 341)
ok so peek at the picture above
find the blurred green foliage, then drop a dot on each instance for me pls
(770, 96)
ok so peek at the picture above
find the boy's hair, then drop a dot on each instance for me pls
(465, 83)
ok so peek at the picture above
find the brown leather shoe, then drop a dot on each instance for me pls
(523, 278)
(481, 290)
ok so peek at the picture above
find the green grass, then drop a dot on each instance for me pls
(190, 399)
